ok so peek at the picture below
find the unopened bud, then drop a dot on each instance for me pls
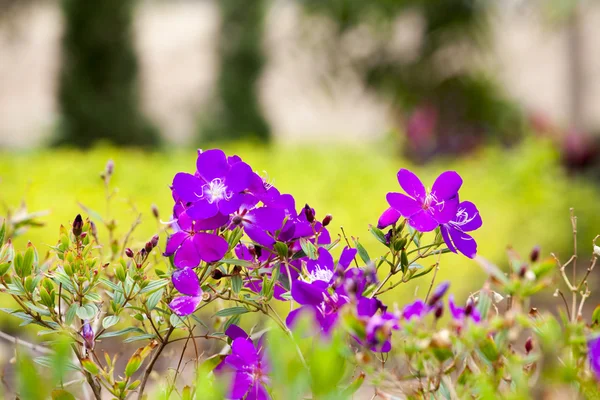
(309, 213)
(87, 333)
(77, 225)
(438, 293)
(83, 235)
(148, 247)
(154, 209)
(327, 219)
(154, 241)
(522, 271)
(217, 274)
(93, 228)
(129, 252)
(388, 237)
(469, 308)
(535, 254)
(110, 168)
(439, 310)
(529, 345)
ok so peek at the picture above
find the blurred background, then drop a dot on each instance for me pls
(330, 97)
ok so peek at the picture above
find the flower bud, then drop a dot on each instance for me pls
(522, 271)
(257, 251)
(439, 310)
(110, 168)
(77, 225)
(129, 252)
(327, 219)
(535, 254)
(93, 228)
(469, 308)
(309, 213)
(438, 293)
(388, 237)
(87, 333)
(217, 274)
(529, 345)
(154, 209)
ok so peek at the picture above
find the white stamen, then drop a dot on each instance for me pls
(215, 190)
(320, 274)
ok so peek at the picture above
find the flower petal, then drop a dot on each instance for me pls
(446, 236)
(212, 164)
(464, 242)
(403, 204)
(445, 210)
(234, 332)
(245, 350)
(267, 218)
(215, 222)
(423, 221)
(186, 281)
(257, 392)
(174, 241)
(308, 293)
(187, 187)
(446, 185)
(411, 184)
(202, 209)
(259, 236)
(210, 247)
(187, 255)
(240, 385)
(467, 217)
(347, 256)
(238, 178)
(389, 217)
(184, 305)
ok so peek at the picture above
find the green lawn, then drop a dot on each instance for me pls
(523, 195)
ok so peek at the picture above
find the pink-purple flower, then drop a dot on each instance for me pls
(186, 282)
(250, 368)
(467, 219)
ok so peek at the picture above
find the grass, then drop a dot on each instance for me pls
(523, 195)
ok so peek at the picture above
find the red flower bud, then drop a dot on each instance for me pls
(129, 252)
(327, 219)
(529, 344)
(77, 225)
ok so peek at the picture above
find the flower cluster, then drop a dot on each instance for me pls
(440, 207)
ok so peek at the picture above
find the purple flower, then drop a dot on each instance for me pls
(186, 282)
(192, 247)
(467, 219)
(593, 345)
(460, 315)
(87, 333)
(424, 211)
(316, 299)
(251, 370)
(379, 331)
(439, 292)
(217, 185)
(417, 310)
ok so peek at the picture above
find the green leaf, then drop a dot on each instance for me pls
(121, 332)
(87, 311)
(71, 312)
(176, 320)
(109, 321)
(362, 252)
(154, 285)
(28, 258)
(140, 337)
(61, 394)
(234, 237)
(309, 248)
(379, 235)
(281, 249)
(2, 233)
(110, 284)
(235, 261)
(226, 312)
(95, 297)
(153, 299)
(236, 283)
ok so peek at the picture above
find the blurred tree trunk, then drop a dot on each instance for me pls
(98, 91)
(236, 113)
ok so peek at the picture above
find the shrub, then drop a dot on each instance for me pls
(237, 244)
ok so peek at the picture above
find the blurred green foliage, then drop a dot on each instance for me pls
(236, 112)
(439, 74)
(523, 194)
(98, 91)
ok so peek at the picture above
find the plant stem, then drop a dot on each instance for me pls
(150, 366)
